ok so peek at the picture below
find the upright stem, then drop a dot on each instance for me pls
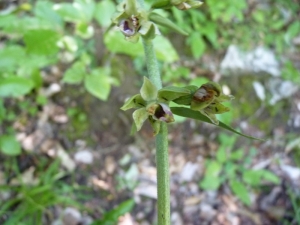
(162, 154)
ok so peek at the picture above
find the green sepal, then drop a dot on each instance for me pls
(131, 7)
(139, 117)
(197, 105)
(118, 16)
(165, 4)
(160, 20)
(171, 92)
(155, 125)
(148, 90)
(189, 113)
(216, 108)
(148, 30)
(211, 116)
(186, 99)
(135, 101)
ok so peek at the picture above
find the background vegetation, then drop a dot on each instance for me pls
(65, 72)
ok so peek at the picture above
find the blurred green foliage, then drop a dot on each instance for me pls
(233, 168)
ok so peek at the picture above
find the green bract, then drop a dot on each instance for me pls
(153, 104)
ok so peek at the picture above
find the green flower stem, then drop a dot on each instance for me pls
(162, 153)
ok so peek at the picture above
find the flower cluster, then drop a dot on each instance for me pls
(133, 21)
(149, 104)
(208, 100)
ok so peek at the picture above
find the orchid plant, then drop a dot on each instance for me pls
(153, 102)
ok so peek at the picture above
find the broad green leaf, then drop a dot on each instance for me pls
(148, 90)
(2, 111)
(240, 191)
(75, 74)
(115, 42)
(36, 78)
(135, 101)
(139, 117)
(10, 57)
(252, 177)
(171, 92)
(68, 12)
(9, 145)
(98, 83)
(111, 217)
(44, 10)
(210, 183)
(104, 11)
(41, 41)
(197, 44)
(186, 112)
(164, 50)
(15, 86)
(86, 9)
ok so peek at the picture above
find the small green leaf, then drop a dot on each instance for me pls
(170, 93)
(9, 145)
(148, 90)
(211, 179)
(269, 176)
(41, 41)
(139, 117)
(111, 217)
(189, 113)
(163, 21)
(240, 191)
(237, 155)
(75, 74)
(104, 11)
(15, 86)
(98, 83)
(252, 177)
(221, 154)
(135, 101)
(197, 44)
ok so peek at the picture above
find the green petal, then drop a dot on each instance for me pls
(139, 117)
(135, 101)
(170, 93)
(155, 125)
(148, 90)
(148, 30)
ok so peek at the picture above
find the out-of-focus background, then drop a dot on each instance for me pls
(66, 156)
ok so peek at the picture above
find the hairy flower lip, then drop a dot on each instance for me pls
(163, 113)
